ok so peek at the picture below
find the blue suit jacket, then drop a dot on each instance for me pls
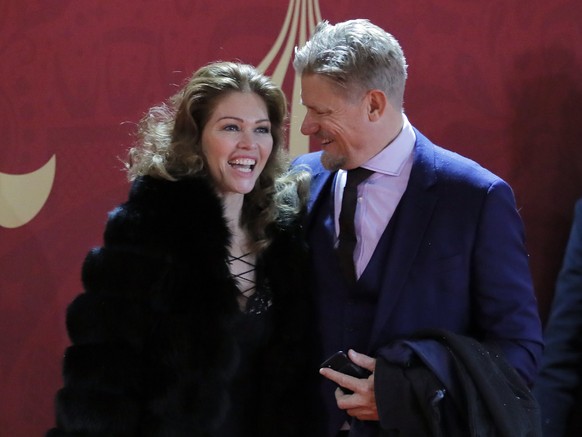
(457, 260)
(559, 385)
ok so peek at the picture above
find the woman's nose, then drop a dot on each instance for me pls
(247, 140)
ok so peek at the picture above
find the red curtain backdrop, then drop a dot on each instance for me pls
(497, 81)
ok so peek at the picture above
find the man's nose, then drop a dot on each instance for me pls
(309, 126)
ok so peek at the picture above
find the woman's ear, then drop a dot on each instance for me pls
(377, 102)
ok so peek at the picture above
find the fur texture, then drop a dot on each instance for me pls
(152, 347)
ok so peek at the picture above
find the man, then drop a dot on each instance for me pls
(440, 244)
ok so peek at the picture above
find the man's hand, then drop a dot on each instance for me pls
(362, 403)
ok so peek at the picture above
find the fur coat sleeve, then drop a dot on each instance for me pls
(151, 345)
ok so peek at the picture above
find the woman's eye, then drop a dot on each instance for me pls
(263, 130)
(231, 128)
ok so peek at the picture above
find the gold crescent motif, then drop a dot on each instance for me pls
(302, 15)
(22, 196)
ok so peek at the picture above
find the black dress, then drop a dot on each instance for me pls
(252, 331)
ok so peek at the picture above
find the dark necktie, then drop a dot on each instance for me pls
(347, 234)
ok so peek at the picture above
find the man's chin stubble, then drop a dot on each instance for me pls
(332, 162)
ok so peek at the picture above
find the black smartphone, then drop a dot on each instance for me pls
(342, 363)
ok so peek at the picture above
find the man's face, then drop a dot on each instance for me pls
(338, 122)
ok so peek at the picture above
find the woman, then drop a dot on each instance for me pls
(195, 316)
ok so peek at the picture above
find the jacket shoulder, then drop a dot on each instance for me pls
(311, 162)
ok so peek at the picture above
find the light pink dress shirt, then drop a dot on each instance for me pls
(378, 195)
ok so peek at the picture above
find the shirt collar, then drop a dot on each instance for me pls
(392, 158)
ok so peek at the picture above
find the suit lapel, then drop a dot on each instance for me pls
(415, 210)
(320, 184)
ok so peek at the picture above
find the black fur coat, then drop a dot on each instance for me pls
(152, 345)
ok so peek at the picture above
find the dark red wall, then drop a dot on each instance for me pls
(497, 81)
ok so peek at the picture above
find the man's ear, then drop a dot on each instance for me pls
(377, 102)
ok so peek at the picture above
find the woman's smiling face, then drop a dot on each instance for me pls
(237, 141)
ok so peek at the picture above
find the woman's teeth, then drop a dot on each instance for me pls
(245, 165)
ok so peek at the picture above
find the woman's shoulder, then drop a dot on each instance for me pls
(170, 199)
(170, 214)
(149, 189)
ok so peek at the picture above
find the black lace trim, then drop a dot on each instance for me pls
(260, 301)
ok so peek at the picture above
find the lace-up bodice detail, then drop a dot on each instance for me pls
(252, 299)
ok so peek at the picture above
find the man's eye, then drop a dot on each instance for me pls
(317, 112)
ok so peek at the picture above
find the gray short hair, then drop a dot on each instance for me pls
(355, 53)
